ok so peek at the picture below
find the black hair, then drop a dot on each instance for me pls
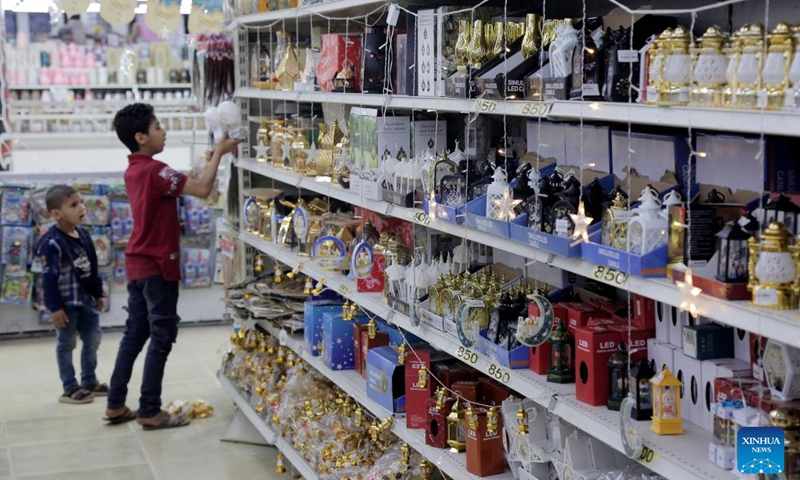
(133, 119)
(57, 195)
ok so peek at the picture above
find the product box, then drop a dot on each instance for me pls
(436, 424)
(337, 340)
(358, 328)
(711, 370)
(467, 390)
(515, 358)
(593, 347)
(312, 317)
(485, 449)
(644, 312)
(662, 354)
(381, 339)
(741, 344)
(494, 393)
(689, 372)
(637, 347)
(374, 281)
(677, 320)
(708, 341)
(539, 357)
(580, 313)
(663, 320)
(428, 134)
(416, 396)
(386, 379)
(650, 265)
(338, 52)
(427, 64)
(448, 373)
(374, 73)
(371, 136)
(477, 219)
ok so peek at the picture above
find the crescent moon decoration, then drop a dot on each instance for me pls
(534, 331)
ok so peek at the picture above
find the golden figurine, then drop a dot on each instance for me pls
(462, 43)
(499, 38)
(615, 224)
(328, 147)
(299, 155)
(288, 68)
(477, 47)
(531, 41)
(710, 65)
(780, 48)
(344, 81)
(748, 73)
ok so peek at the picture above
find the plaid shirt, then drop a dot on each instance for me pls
(63, 286)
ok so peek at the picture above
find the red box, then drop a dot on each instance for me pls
(449, 373)
(436, 424)
(381, 340)
(469, 390)
(605, 322)
(539, 358)
(644, 312)
(749, 390)
(493, 392)
(579, 314)
(593, 346)
(638, 344)
(485, 449)
(358, 329)
(338, 51)
(416, 396)
(375, 281)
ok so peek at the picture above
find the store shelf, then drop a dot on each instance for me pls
(163, 86)
(780, 325)
(728, 120)
(290, 455)
(683, 457)
(54, 105)
(337, 8)
(77, 117)
(453, 464)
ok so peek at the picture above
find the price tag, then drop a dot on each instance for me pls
(534, 109)
(610, 275)
(422, 218)
(498, 373)
(467, 355)
(627, 56)
(483, 105)
(648, 455)
(345, 290)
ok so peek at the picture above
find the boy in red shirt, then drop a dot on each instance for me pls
(152, 260)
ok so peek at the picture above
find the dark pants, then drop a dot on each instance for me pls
(83, 322)
(152, 314)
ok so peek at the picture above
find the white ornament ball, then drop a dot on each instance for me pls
(229, 114)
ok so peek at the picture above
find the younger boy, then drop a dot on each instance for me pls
(72, 292)
(152, 262)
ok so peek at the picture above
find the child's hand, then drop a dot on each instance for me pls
(100, 304)
(59, 319)
(226, 145)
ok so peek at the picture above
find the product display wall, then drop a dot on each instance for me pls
(561, 206)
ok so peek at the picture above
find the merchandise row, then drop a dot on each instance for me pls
(47, 123)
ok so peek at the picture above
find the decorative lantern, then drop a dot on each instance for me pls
(748, 73)
(562, 358)
(277, 277)
(615, 224)
(307, 286)
(677, 68)
(471, 416)
(618, 377)
(402, 354)
(372, 328)
(456, 428)
(495, 193)
(776, 66)
(441, 397)
(641, 374)
(732, 254)
(358, 417)
(666, 403)
(771, 269)
(789, 420)
(782, 368)
(279, 467)
(491, 420)
(422, 380)
(522, 420)
(647, 229)
(781, 209)
(425, 469)
(404, 456)
(709, 69)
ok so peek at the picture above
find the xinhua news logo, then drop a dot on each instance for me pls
(759, 450)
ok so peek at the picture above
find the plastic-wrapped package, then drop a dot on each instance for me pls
(632, 472)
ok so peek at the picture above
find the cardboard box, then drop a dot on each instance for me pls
(381, 339)
(416, 396)
(485, 449)
(689, 371)
(663, 320)
(312, 317)
(708, 341)
(539, 358)
(469, 390)
(644, 312)
(711, 370)
(358, 329)
(436, 424)
(579, 314)
(637, 347)
(678, 320)
(386, 379)
(593, 347)
(374, 282)
(662, 354)
(338, 51)
(337, 340)
(449, 373)
(493, 392)
(428, 134)
(741, 344)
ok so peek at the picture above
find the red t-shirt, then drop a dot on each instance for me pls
(154, 248)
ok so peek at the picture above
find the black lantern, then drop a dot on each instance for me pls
(617, 377)
(641, 374)
(732, 254)
(784, 210)
(562, 358)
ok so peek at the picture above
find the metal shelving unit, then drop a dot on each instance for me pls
(163, 86)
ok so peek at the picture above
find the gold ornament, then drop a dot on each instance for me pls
(532, 38)
(372, 328)
(402, 354)
(709, 77)
(288, 68)
(751, 61)
(477, 48)
(780, 48)
(462, 43)
(280, 468)
(522, 420)
(772, 269)
(491, 420)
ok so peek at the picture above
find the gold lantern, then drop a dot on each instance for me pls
(522, 420)
(655, 57)
(462, 43)
(710, 66)
(666, 403)
(329, 145)
(288, 68)
(299, 154)
(748, 73)
(441, 397)
(788, 419)
(772, 269)
(531, 40)
(422, 377)
(471, 416)
(492, 420)
(456, 431)
(775, 73)
(677, 68)
(268, 219)
(358, 417)
(404, 456)
(402, 354)
(372, 328)
(615, 224)
(279, 467)
(733, 52)
(477, 48)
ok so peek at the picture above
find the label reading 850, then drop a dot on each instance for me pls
(499, 373)
(610, 275)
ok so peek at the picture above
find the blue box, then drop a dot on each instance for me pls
(395, 335)
(445, 212)
(386, 383)
(565, 247)
(313, 311)
(514, 359)
(477, 219)
(338, 350)
(650, 265)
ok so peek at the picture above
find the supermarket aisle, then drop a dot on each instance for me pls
(41, 439)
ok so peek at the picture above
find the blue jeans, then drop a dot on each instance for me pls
(84, 322)
(153, 315)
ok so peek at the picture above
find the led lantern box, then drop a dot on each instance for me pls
(417, 395)
(644, 312)
(485, 447)
(579, 314)
(741, 344)
(312, 317)
(637, 345)
(689, 372)
(428, 134)
(374, 281)
(707, 341)
(539, 357)
(677, 320)
(507, 79)
(593, 347)
(381, 339)
(436, 424)
(337, 340)
(494, 393)
(448, 373)
(386, 379)
(711, 370)
(358, 329)
(515, 358)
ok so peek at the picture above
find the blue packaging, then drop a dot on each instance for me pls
(313, 311)
(386, 383)
(338, 349)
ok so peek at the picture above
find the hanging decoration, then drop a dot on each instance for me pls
(163, 15)
(74, 7)
(206, 16)
(118, 12)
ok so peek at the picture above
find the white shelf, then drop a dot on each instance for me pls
(164, 86)
(681, 457)
(728, 120)
(453, 464)
(98, 103)
(290, 455)
(780, 325)
(77, 117)
(338, 8)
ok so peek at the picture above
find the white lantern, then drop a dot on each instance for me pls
(794, 71)
(647, 229)
(495, 192)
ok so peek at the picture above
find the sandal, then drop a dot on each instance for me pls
(168, 421)
(126, 416)
(98, 389)
(78, 396)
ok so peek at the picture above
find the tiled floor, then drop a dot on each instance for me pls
(41, 439)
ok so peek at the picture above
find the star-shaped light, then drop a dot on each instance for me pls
(504, 206)
(581, 225)
(688, 293)
(261, 152)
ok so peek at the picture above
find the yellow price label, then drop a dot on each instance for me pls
(422, 218)
(345, 290)
(648, 455)
(499, 373)
(467, 355)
